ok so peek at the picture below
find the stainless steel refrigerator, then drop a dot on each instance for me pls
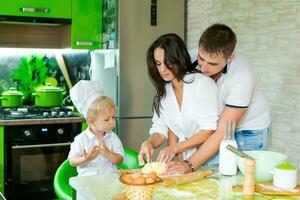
(140, 22)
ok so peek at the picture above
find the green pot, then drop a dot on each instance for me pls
(48, 96)
(12, 98)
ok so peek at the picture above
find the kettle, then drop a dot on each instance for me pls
(284, 176)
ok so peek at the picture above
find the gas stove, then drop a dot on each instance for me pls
(33, 112)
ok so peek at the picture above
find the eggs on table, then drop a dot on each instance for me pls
(139, 178)
(149, 175)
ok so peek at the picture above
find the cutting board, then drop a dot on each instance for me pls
(268, 189)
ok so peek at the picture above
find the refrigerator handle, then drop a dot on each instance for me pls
(153, 13)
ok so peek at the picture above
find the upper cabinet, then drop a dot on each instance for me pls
(37, 8)
(86, 28)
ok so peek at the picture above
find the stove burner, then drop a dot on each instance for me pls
(32, 112)
(16, 113)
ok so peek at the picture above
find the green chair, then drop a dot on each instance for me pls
(61, 181)
(65, 171)
(130, 160)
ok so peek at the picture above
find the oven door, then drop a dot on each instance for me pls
(31, 170)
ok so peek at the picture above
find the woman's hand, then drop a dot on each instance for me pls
(178, 167)
(146, 150)
(167, 154)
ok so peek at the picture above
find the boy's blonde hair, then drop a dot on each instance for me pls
(99, 106)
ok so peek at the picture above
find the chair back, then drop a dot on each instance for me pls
(130, 160)
(65, 171)
(61, 181)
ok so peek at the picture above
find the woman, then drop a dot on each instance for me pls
(185, 101)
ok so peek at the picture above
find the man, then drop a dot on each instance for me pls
(239, 98)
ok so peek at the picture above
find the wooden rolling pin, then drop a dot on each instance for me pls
(186, 178)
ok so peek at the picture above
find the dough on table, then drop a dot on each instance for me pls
(157, 167)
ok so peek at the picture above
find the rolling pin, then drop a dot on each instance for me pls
(186, 178)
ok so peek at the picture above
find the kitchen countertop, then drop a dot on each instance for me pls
(41, 121)
(215, 187)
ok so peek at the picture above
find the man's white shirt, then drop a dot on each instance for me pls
(237, 88)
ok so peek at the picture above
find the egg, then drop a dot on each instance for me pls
(152, 175)
(139, 181)
(128, 179)
(149, 180)
(136, 175)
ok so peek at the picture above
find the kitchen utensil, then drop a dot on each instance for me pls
(285, 176)
(63, 68)
(186, 178)
(249, 181)
(265, 162)
(12, 98)
(237, 151)
(48, 96)
(269, 189)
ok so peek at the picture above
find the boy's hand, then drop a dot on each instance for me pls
(91, 155)
(103, 150)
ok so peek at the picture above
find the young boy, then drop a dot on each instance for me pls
(97, 149)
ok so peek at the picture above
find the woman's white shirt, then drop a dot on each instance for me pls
(85, 141)
(199, 109)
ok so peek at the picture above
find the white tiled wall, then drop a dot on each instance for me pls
(268, 33)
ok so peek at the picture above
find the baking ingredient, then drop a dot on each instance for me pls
(227, 160)
(158, 167)
(139, 178)
(152, 175)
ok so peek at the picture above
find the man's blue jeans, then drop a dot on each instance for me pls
(247, 140)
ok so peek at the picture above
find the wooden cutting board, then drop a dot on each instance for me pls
(268, 189)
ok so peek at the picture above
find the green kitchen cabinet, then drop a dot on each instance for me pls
(86, 28)
(37, 8)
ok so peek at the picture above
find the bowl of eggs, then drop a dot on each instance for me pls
(138, 185)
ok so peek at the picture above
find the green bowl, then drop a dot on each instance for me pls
(265, 161)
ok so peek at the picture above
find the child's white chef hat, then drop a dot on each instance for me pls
(84, 93)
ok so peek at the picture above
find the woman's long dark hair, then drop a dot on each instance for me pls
(176, 59)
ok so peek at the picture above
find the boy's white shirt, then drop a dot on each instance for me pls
(199, 109)
(86, 141)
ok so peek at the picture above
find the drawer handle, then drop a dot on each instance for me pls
(40, 10)
(81, 43)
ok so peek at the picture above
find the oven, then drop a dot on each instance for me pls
(31, 157)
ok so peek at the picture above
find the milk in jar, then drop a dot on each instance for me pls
(227, 159)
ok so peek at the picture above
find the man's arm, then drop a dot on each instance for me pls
(211, 146)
